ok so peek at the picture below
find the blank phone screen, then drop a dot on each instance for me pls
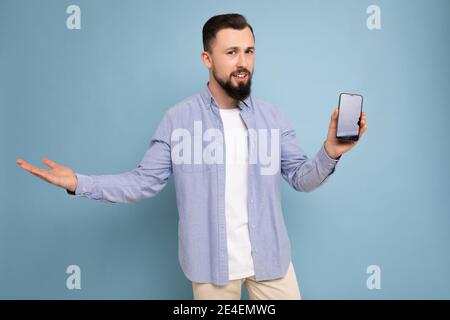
(349, 113)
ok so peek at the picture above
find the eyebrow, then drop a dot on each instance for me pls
(234, 48)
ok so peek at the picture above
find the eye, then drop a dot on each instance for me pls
(231, 52)
(250, 51)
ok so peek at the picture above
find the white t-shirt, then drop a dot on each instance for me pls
(240, 261)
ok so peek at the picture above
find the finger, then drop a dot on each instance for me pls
(49, 162)
(44, 174)
(23, 164)
(333, 120)
(335, 114)
(363, 130)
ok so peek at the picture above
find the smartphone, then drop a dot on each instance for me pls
(350, 110)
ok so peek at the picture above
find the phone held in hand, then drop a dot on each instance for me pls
(350, 110)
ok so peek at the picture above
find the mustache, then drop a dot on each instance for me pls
(240, 71)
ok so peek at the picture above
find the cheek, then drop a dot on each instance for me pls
(223, 70)
(251, 63)
(224, 66)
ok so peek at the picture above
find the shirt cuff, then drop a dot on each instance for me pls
(85, 186)
(325, 159)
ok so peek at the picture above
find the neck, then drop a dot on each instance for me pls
(221, 97)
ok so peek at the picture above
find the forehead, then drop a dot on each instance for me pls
(234, 38)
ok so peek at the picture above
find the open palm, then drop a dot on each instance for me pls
(59, 175)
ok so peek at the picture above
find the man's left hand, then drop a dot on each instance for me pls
(334, 147)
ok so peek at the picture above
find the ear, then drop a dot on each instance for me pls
(206, 58)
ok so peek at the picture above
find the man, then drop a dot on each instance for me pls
(231, 226)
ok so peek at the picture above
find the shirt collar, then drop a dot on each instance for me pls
(210, 101)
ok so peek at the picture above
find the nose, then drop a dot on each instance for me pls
(242, 61)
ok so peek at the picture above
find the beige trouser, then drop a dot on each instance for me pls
(285, 288)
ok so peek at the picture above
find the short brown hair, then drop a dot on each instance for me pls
(219, 22)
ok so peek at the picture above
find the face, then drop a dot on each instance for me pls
(231, 61)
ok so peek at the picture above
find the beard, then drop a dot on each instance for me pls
(239, 92)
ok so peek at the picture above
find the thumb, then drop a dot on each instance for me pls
(333, 120)
(334, 116)
(49, 163)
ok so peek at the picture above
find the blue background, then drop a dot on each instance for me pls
(91, 99)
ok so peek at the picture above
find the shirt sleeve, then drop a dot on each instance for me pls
(149, 178)
(303, 173)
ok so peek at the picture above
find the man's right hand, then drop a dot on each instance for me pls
(59, 175)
